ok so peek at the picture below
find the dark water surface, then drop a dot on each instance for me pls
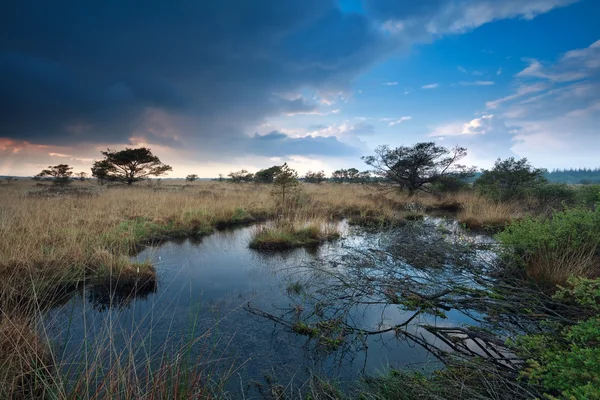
(203, 287)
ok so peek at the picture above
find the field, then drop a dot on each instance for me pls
(55, 239)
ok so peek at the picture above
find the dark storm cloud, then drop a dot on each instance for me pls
(78, 71)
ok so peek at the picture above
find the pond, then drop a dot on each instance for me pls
(254, 312)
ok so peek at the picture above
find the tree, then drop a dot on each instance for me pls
(266, 175)
(350, 175)
(191, 178)
(60, 174)
(129, 165)
(315, 177)
(284, 183)
(338, 176)
(241, 176)
(101, 170)
(9, 179)
(82, 176)
(418, 167)
(510, 179)
(364, 177)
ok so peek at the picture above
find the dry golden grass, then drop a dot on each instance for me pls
(556, 267)
(478, 212)
(24, 358)
(52, 240)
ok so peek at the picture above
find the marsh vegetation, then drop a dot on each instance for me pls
(144, 291)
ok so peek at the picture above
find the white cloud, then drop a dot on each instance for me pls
(499, 72)
(391, 83)
(522, 90)
(477, 126)
(431, 86)
(395, 121)
(477, 83)
(455, 17)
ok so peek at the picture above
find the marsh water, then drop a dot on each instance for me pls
(237, 301)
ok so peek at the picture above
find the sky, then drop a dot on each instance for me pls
(213, 87)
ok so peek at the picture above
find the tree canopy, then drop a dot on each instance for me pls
(315, 177)
(510, 179)
(241, 176)
(60, 174)
(267, 175)
(414, 168)
(129, 165)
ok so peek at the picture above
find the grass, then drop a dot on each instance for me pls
(480, 213)
(55, 240)
(287, 235)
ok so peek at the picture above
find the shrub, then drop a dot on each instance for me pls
(552, 249)
(588, 195)
(554, 196)
(509, 179)
(567, 363)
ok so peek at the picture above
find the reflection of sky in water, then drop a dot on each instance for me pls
(204, 285)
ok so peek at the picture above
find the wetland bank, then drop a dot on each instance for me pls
(154, 291)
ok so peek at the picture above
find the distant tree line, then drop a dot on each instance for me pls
(425, 167)
(584, 176)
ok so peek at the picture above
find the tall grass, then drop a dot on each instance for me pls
(54, 241)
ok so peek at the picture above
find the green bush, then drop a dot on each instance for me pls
(567, 363)
(510, 179)
(588, 195)
(554, 196)
(554, 248)
(572, 229)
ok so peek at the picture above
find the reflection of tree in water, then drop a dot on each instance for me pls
(119, 294)
(401, 282)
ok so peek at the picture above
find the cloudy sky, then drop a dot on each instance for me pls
(216, 86)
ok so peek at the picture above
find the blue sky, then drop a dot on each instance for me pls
(218, 87)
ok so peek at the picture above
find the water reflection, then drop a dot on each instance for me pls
(349, 307)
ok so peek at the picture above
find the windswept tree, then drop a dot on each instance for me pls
(129, 165)
(60, 174)
(510, 179)
(266, 175)
(417, 168)
(191, 178)
(315, 177)
(242, 176)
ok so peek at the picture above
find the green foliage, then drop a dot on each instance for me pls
(350, 175)
(128, 166)
(418, 167)
(572, 229)
(554, 196)
(510, 179)
(315, 177)
(60, 174)
(588, 195)
(242, 176)
(582, 291)
(567, 362)
(285, 183)
(267, 175)
(585, 176)
(450, 184)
